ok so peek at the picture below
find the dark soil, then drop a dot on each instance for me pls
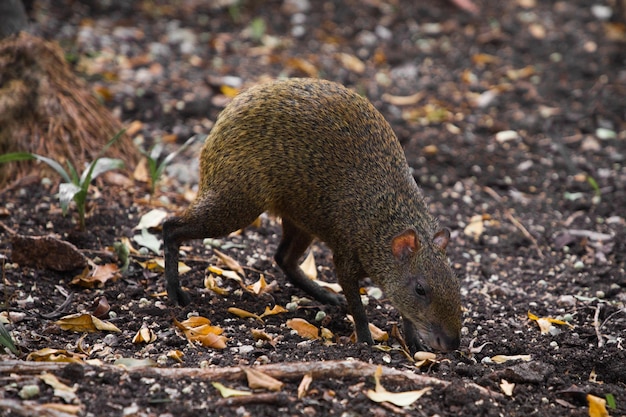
(552, 198)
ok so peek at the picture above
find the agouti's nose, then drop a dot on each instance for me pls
(445, 342)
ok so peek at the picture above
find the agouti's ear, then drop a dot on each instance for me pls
(442, 238)
(405, 244)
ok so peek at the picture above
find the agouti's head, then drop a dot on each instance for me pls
(427, 291)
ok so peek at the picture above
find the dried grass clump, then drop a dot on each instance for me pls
(46, 109)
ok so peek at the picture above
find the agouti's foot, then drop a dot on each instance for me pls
(178, 297)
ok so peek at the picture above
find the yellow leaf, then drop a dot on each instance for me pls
(304, 66)
(135, 363)
(258, 287)
(230, 262)
(67, 393)
(177, 355)
(229, 392)
(229, 91)
(303, 387)
(597, 406)
(303, 328)
(228, 274)
(327, 335)
(308, 266)
(275, 310)
(377, 334)
(82, 322)
(55, 355)
(545, 323)
(212, 340)
(401, 399)
(144, 335)
(244, 314)
(351, 62)
(507, 387)
(475, 228)
(259, 380)
(506, 358)
(158, 264)
(211, 284)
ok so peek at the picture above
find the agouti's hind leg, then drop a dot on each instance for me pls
(209, 217)
(293, 244)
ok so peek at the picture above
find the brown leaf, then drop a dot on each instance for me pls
(303, 328)
(82, 322)
(46, 252)
(259, 380)
(303, 387)
(98, 277)
(230, 262)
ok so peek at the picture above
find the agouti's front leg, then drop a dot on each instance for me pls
(173, 234)
(348, 277)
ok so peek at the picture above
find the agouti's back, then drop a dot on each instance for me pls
(325, 160)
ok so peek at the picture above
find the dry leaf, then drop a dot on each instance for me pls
(230, 262)
(151, 219)
(545, 323)
(141, 171)
(507, 387)
(475, 228)
(98, 276)
(401, 399)
(303, 328)
(403, 100)
(377, 334)
(199, 329)
(244, 314)
(351, 62)
(65, 392)
(101, 307)
(259, 380)
(304, 385)
(177, 355)
(226, 392)
(83, 322)
(304, 66)
(135, 363)
(258, 287)
(597, 406)
(55, 355)
(308, 266)
(158, 264)
(506, 358)
(46, 252)
(326, 334)
(275, 310)
(211, 284)
(228, 274)
(144, 335)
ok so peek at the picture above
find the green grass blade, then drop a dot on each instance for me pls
(7, 341)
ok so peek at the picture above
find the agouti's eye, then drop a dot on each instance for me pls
(419, 290)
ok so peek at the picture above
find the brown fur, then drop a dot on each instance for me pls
(325, 160)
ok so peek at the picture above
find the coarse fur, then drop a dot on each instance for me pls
(325, 160)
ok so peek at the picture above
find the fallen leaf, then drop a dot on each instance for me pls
(403, 100)
(259, 380)
(228, 274)
(148, 240)
(101, 307)
(351, 63)
(46, 252)
(83, 322)
(401, 399)
(258, 287)
(176, 354)
(230, 262)
(98, 276)
(65, 392)
(545, 323)
(507, 387)
(226, 392)
(135, 363)
(308, 266)
(244, 314)
(55, 355)
(597, 406)
(151, 219)
(304, 385)
(199, 329)
(210, 283)
(506, 358)
(144, 335)
(273, 311)
(326, 334)
(377, 334)
(158, 264)
(303, 328)
(475, 228)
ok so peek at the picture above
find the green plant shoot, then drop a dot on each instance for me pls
(155, 168)
(76, 186)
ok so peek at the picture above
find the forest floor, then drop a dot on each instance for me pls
(514, 122)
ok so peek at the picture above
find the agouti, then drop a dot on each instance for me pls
(325, 160)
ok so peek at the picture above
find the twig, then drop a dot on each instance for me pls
(275, 398)
(524, 231)
(339, 369)
(596, 325)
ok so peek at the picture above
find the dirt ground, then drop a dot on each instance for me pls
(514, 122)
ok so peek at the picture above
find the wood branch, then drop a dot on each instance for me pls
(339, 369)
